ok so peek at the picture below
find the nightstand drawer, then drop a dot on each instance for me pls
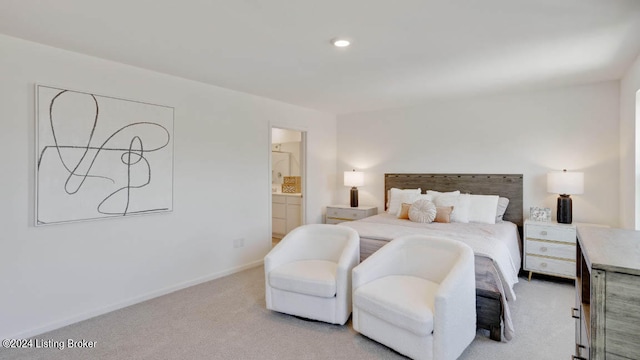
(333, 221)
(541, 264)
(554, 233)
(341, 213)
(553, 249)
(346, 214)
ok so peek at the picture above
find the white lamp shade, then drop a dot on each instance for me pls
(353, 178)
(565, 182)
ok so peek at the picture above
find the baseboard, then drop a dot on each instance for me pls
(138, 299)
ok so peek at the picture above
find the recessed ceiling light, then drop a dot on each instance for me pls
(341, 42)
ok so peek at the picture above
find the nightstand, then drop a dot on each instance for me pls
(550, 248)
(341, 213)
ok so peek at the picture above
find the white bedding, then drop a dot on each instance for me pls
(499, 242)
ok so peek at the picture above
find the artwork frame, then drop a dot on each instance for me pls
(100, 156)
(540, 214)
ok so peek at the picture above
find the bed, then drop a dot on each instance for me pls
(497, 247)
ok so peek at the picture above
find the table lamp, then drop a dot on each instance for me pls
(565, 183)
(354, 179)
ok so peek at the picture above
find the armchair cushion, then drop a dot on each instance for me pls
(405, 301)
(310, 277)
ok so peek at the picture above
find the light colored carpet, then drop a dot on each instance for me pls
(227, 319)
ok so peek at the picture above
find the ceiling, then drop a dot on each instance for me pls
(403, 52)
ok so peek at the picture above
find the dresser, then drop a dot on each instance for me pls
(607, 308)
(341, 213)
(550, 248)
(286, 213)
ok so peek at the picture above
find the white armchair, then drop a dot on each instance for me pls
(416, 295)
(308, 273)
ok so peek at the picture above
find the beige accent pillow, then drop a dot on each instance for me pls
(404, 211)
(443, 214)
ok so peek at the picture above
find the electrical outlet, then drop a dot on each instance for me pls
(238, 243)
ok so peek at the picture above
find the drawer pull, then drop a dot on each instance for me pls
(544, 265)
(575, 311)
(354, 215)
(543, 233)
(543, 249)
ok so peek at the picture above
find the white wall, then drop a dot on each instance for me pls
(630, 148)
(527, 133)
(54, 275)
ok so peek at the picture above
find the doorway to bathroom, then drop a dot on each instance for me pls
(288, 154)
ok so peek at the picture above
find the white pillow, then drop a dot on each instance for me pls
(422, 211)
(460, 203)
(425, 196)
(396, 197)
(483, 208)
(435, 194)
(503, 202)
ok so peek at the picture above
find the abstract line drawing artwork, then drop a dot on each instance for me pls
(100, 156)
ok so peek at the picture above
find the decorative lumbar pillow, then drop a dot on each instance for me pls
(503, 203)
(422, 211)
(460, 203)
(483, 209)
(443, 214)
(397, 197)
(404, 211)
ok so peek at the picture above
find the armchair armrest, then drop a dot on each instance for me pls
(314, 241)
(350, 256)
(455, 306)
(383, 262)
(284, 252)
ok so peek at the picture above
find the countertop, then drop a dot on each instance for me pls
(610, 249)
(287, 194)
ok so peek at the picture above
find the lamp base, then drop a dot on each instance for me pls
(354, 197)
(564, 209)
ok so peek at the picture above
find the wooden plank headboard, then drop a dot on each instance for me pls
(505, 185)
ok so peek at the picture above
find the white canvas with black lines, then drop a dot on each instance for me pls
(101, 156)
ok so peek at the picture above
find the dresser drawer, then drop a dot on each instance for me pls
(622, 306)
(541, 264)
(554, 233)
(553, 249)
(346, 214)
